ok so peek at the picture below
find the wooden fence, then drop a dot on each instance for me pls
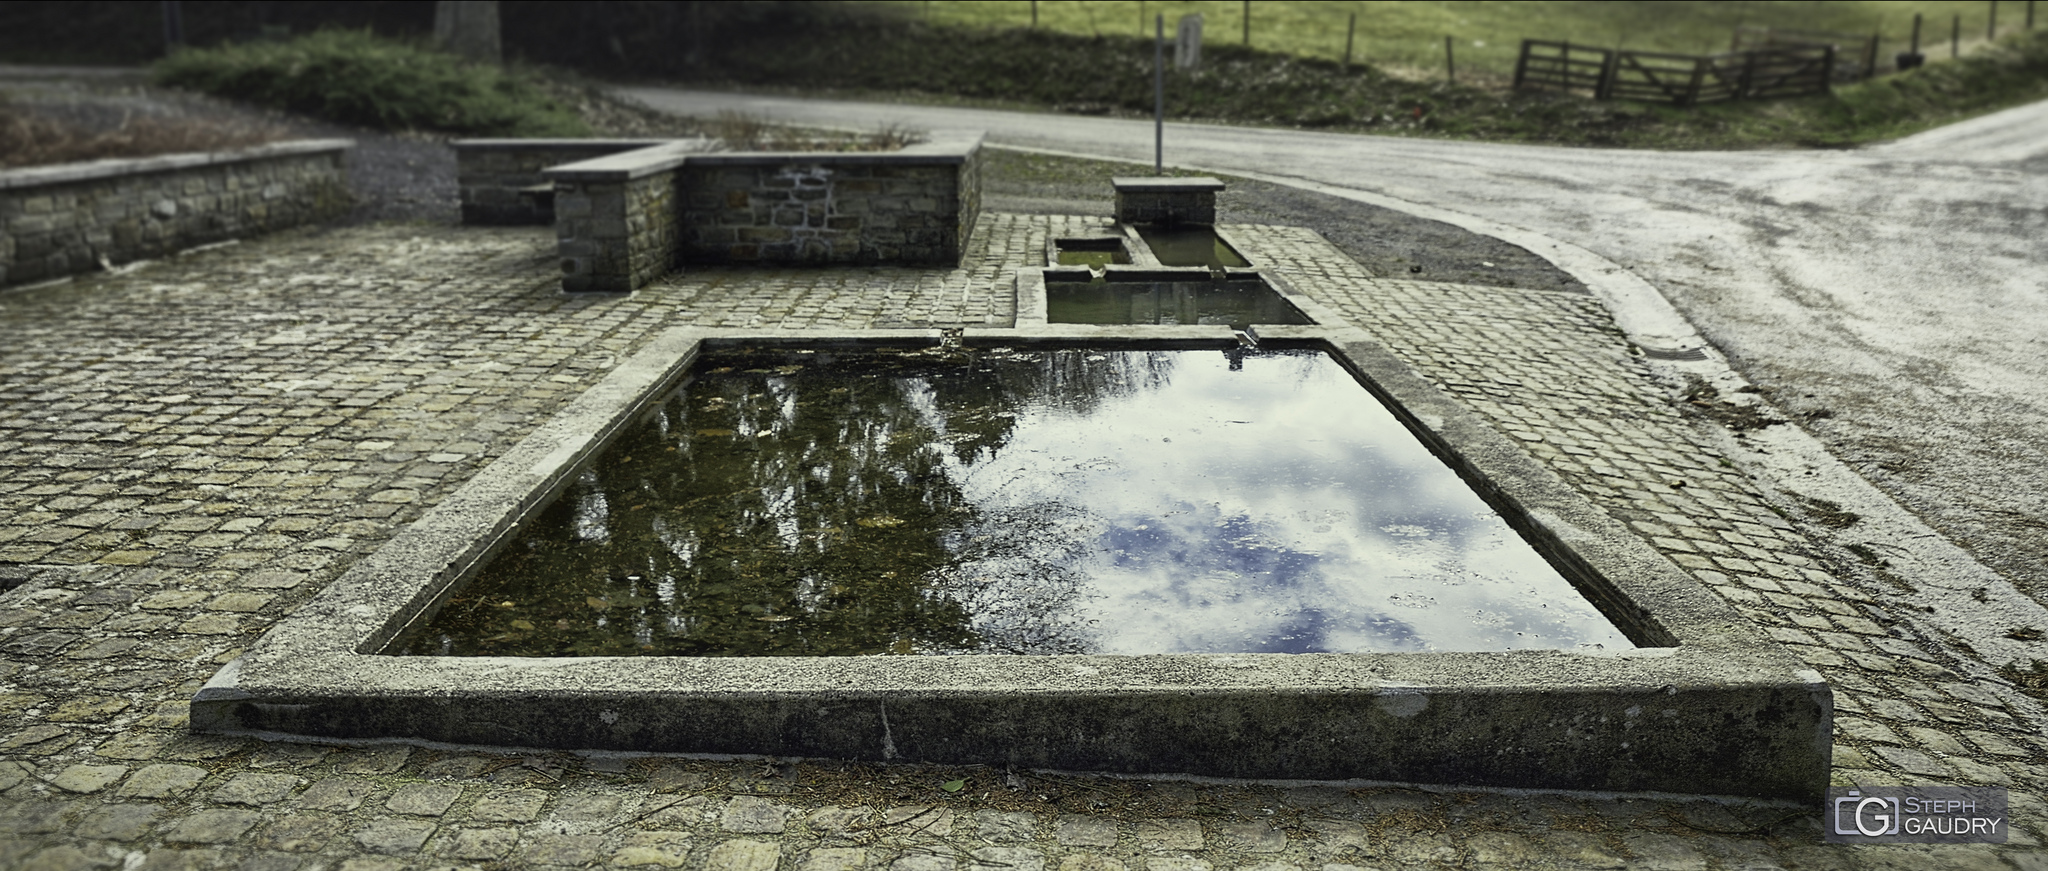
(1564, 66)
(1683, 79)
(1855, 54)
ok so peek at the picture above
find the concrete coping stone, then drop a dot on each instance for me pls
(1148, 185)
(41, 176)
(627, 165)
(942, 148)
(953, 148)
(461, 145)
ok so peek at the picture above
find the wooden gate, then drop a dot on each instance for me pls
(1855, 54)
(1682, 79)
(1564, 66)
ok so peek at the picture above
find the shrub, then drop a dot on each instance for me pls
(353, 77)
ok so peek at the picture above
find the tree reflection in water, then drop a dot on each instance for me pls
(997, 501)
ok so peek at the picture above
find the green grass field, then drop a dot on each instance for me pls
(1408, 35)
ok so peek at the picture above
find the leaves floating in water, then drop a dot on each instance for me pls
(775, 618)
(599, 604)
(714, 432)
(522, 624)
(880, 521)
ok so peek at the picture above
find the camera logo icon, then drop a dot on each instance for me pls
(1870, 816)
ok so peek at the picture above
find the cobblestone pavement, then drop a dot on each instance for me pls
(190, 451)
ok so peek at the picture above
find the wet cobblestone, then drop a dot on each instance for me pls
(190, 451)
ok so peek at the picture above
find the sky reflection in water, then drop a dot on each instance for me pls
(1019, 502)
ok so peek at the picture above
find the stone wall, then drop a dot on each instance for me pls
(502, 182)
(1154, 200)
(616, 219)
(62, 220)
(618, 228)
(969, 181)
(915, 206)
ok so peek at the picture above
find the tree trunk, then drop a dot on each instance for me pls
(468, 28)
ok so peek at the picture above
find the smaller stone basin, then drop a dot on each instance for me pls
(1101, 251)
(1166, 298)
(1189, 245)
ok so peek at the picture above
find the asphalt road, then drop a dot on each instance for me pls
(1892, 300)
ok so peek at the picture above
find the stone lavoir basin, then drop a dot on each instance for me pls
(1079, 547)
(1033, 500)
(1168, 298)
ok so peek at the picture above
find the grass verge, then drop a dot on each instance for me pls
(353, 77)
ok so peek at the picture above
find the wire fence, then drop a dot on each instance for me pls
(1477, 44)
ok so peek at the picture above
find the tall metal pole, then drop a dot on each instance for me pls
(1159, 96)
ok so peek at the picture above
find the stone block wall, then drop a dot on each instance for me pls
(615, 236)
(968, 174)
(616, 218)
(915, 206)
(618, 229)
(501, 180)
(62, 220)
(1166, 200)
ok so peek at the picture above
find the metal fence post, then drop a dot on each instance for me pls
(1350, 31)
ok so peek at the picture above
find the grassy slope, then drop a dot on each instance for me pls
(1487, 35)
(1112, 74)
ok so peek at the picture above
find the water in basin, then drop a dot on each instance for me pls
(1096, 252)
(1026, 501)
(1236, 302)
(1189, 245)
